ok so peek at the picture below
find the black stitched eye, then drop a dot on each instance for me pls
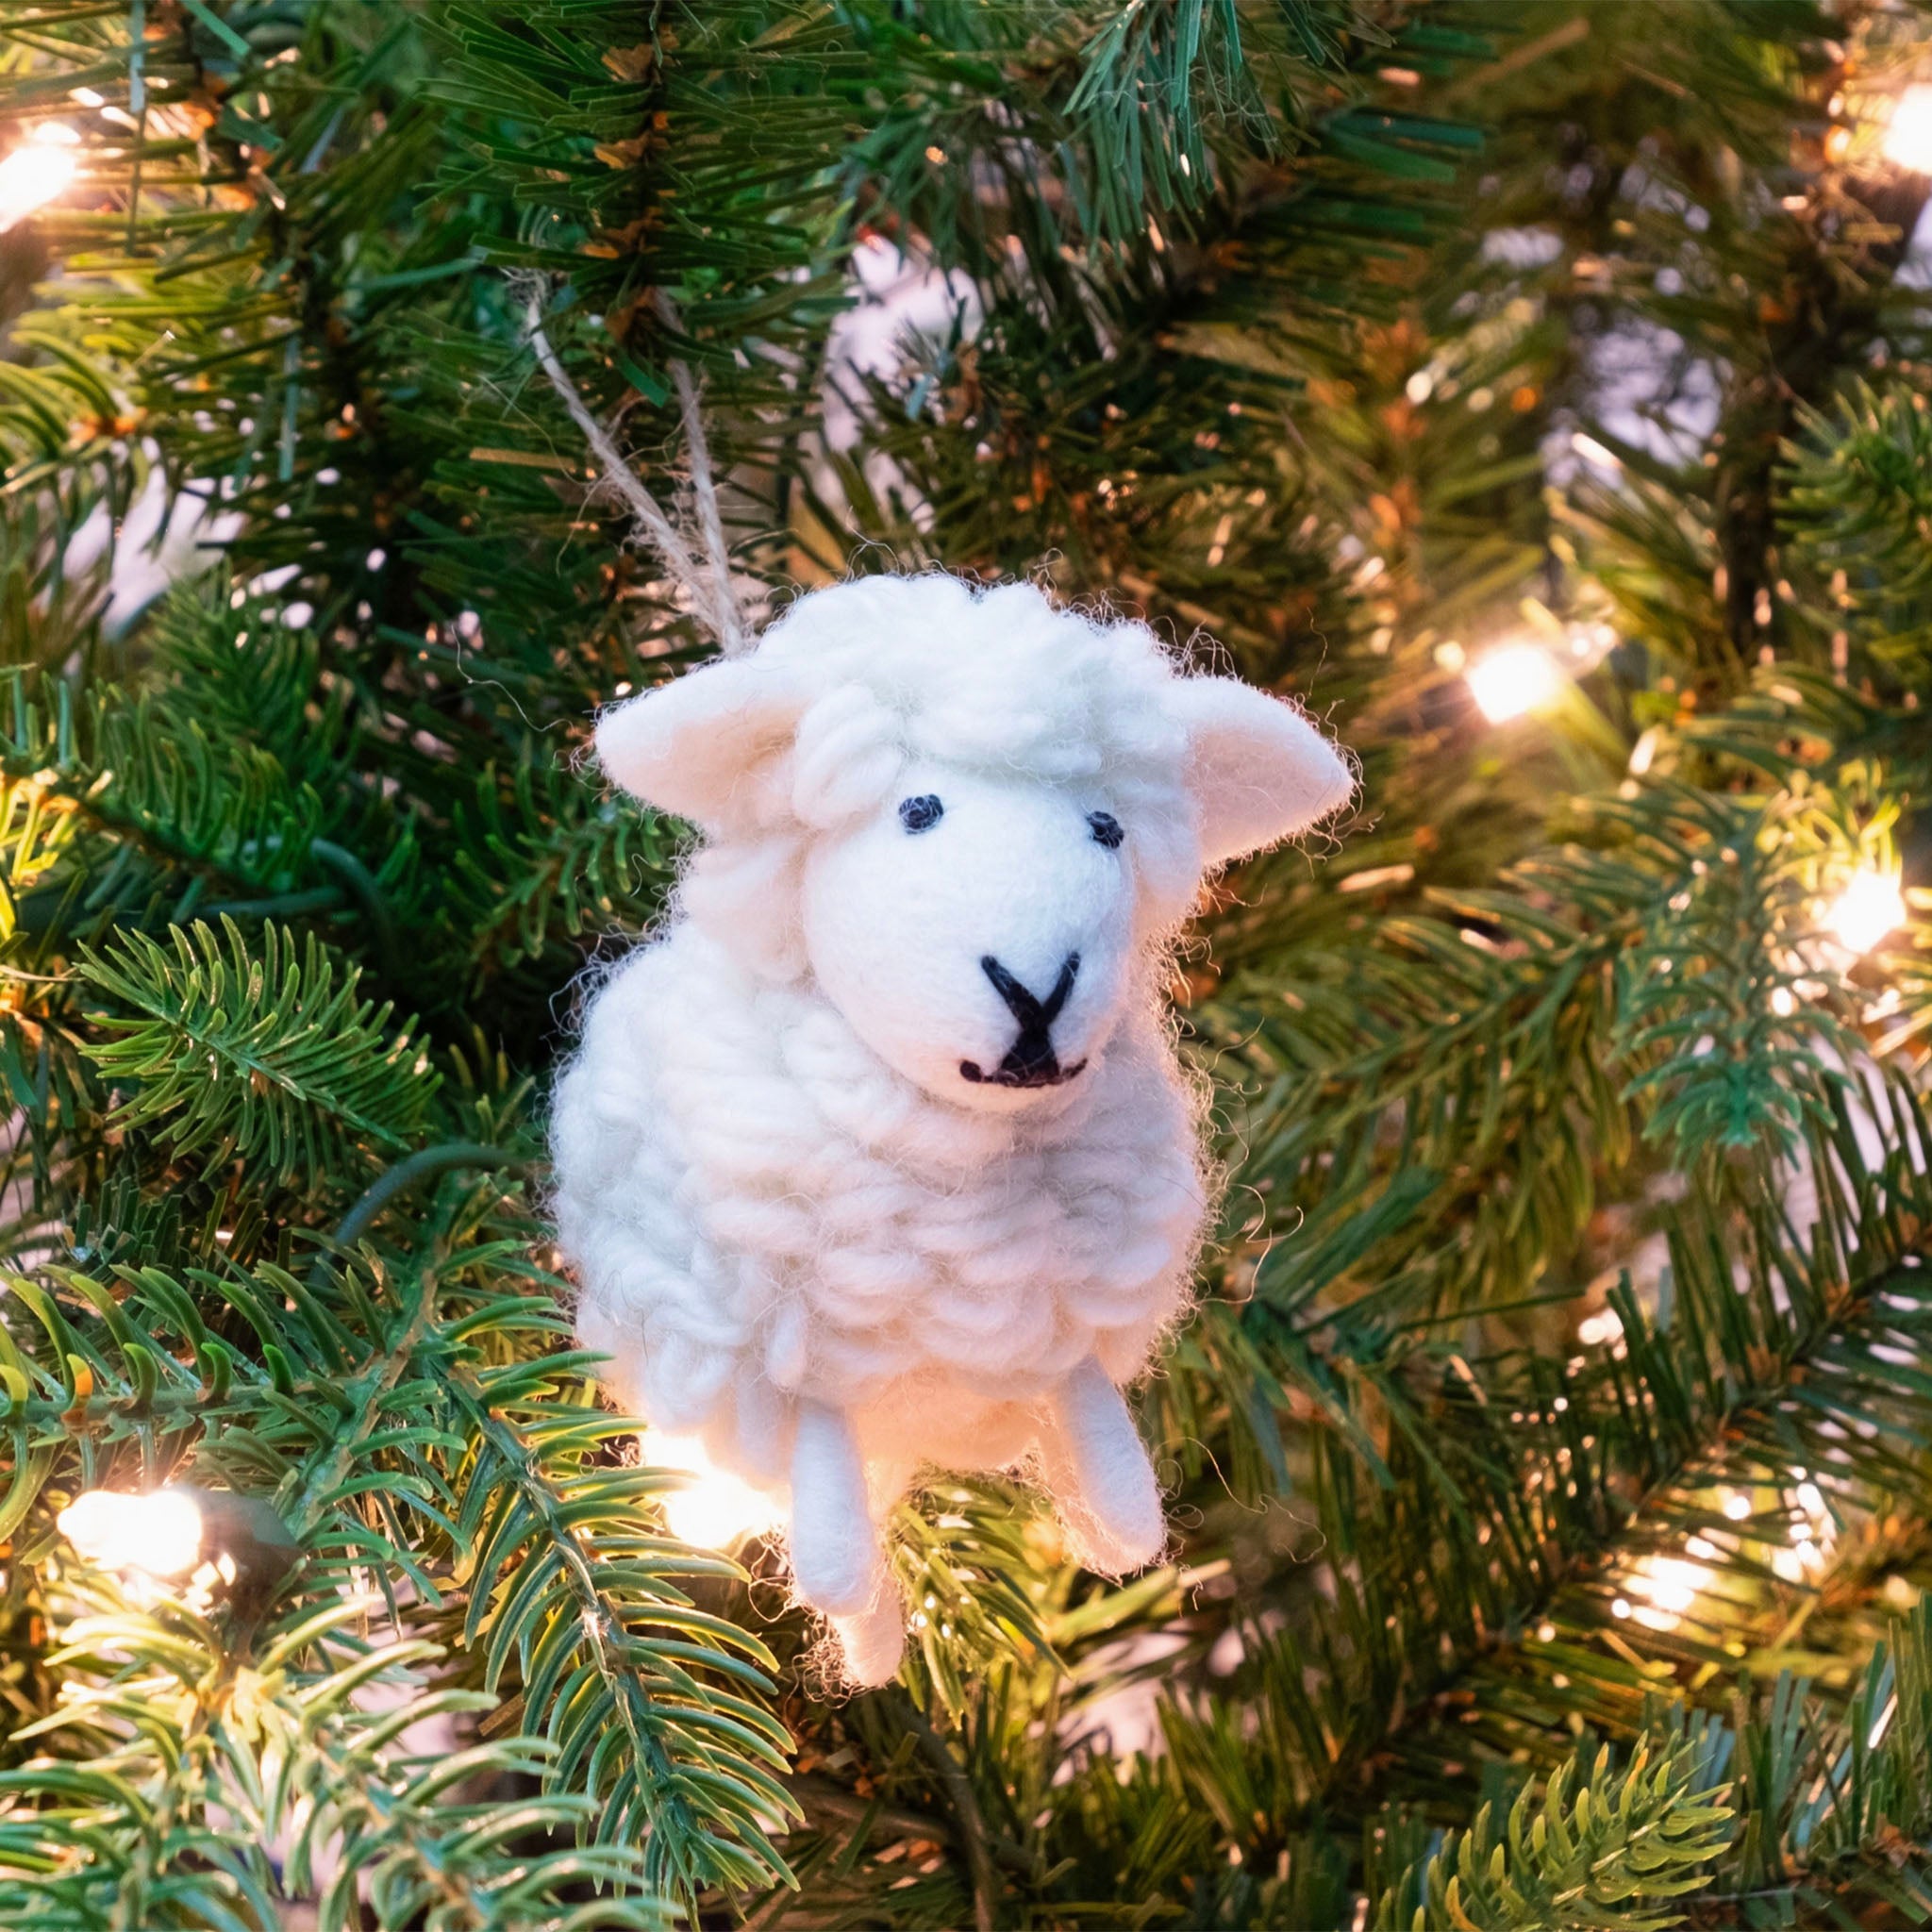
(920, 814)
(1107, 830)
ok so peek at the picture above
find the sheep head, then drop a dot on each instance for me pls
(968, 815)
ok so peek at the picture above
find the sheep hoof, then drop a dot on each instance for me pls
(1116, 1548)
(874, 1641)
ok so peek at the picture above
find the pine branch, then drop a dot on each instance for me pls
(568, 1585)
(364, 1815)
(1584, 1497)
(544, 860)
(1616, 1857)
(1854, 503)
(270, 1057)
(430, 1417)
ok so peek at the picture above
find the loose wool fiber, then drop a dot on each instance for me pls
(879, 1154)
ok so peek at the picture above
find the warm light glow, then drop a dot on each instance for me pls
(1908, 135)
(1799, 1564)
(42, 166)
(1514, 680)
(1670, 1586)
(1736, 1508)
(1673, 1584)
(1870, 907)
(158, 1534)
(713, 1508)
(1604, 1326)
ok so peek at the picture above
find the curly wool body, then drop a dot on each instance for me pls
(882, 1154)
(759, 1207)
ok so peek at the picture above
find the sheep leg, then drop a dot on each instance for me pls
(1101, 1476)
(835, 1549)
(873, 1640)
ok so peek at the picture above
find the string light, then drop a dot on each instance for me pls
(158, 1534)
(42, 166)
(1908, 135)
(1870, 906)
(1674, 1582)
(1800, 1564)
(1811, 1530)
(714, 1508)
(1514, 680)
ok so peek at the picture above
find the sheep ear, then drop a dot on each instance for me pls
(698, 745)
(1259, 770)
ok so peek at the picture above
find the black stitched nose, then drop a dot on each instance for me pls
(1031, 1060)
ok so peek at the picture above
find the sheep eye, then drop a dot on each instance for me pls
(1107, 830)
(922, 813)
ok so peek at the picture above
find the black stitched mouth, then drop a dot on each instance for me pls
(1055, 1075)
(1031, 1060)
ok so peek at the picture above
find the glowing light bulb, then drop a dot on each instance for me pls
(1908, 135)
(42, 166)
(1604, 1326)
(713, 1508)
(1870, 907)
(1514, 680)
(1672, 1583)
(158, 1534)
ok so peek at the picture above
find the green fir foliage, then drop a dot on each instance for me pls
(1615, 1858)
(270, 1059)
(1550, 1455)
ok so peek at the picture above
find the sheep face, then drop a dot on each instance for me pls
(970, 816)
(977, 932)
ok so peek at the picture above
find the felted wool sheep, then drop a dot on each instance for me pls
(880, 1154)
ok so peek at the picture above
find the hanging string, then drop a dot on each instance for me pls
(704, 491)
(707, 583)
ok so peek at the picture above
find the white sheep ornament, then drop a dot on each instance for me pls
(879, 1154)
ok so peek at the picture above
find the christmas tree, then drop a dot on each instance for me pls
(1536, 390)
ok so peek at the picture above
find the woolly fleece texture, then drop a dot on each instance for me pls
(880, 1155)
